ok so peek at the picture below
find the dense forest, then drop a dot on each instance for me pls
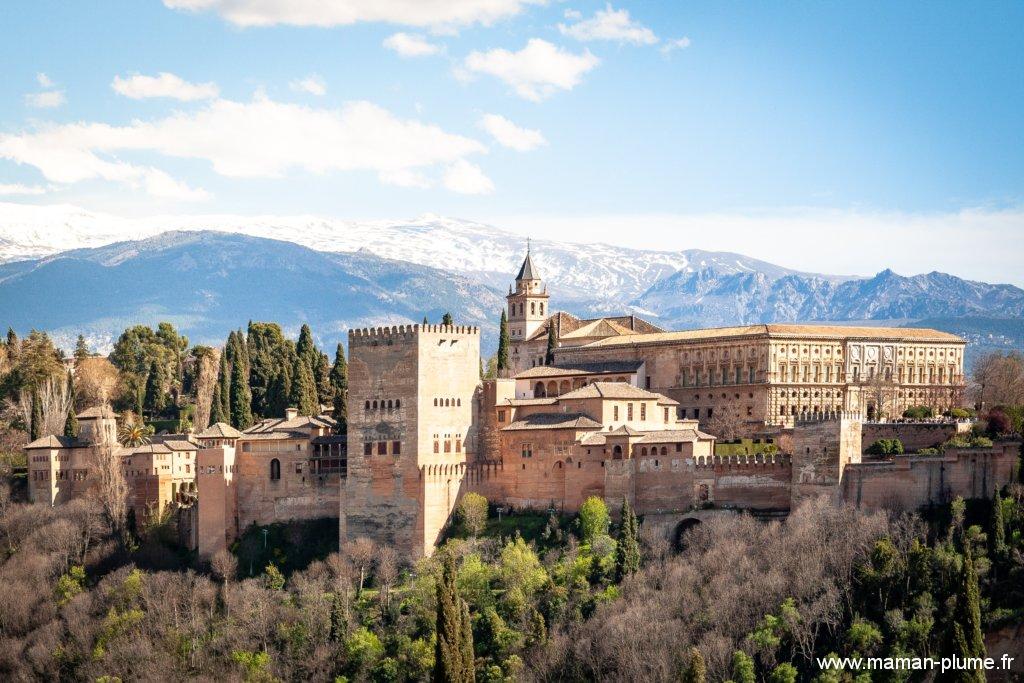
(515, 595)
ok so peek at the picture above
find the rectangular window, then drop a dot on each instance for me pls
(615, 413)
(437, 446)
(750, 411)
(501, 416)
(643, 411)
(458, 445)
(679, 448)
(396, 448)
(527, 450)
(367, 448)
(447, 446)
(647, 382)
(629, 411)
(298, 468)
(696, 413)
(382, 448)
(666, 414)
(710, 412)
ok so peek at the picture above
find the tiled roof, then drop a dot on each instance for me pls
(671, 435)
(219, 430)
(616, 390)
(578, 369)
(781, 331)
(554, 421)
(276, 424)
(271, 436)
(97, 411)
(54, 441)
(516, 402)
(149, 448)
(601, 327)
(623, 430)
(566, 324)
(180, 445)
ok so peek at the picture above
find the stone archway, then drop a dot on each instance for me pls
(682, 531)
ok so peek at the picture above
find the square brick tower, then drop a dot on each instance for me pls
(410, 425)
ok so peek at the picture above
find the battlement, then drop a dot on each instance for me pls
(760, 460)
(827, 416)
(371, 335)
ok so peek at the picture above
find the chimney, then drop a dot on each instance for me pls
(291, 413)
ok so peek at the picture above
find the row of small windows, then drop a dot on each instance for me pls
(60, 475)
(447, 402)
(698, 376)
(382, 447)
(448, 445)
(383, 405)
(522, 309)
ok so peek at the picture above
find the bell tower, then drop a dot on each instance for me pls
(528, 303)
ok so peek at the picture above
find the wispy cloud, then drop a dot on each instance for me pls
(428, 13)
(608, 24)
(535, 72)
(49, 98)
(257, 139)
(508, 134)
(411, 45)
(312, 84)
(672, 45)
(164, 84)
(19, 189)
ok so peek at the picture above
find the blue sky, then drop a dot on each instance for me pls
(888, 122)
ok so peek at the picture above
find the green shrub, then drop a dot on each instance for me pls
(918, 412)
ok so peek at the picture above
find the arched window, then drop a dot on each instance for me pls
(398, 403)
(458, 401)
(533, 308)
(538, 391)
(617, 452)
(367, 405)
(275, 469)
(375, 405)
(664, 450)
(435, 402)
(542, 308)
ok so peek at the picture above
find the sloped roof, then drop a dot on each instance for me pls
(567, 324)
(515, 402)
(97, 411)
(670, 435)
(554, 421)
(149, 448)
(602, 327)
(181, 445)
(619, 390)
(219, 430)
(576, 369)
(54, 441)
(528, 271)
(280, 424)
(781, 331)
(624, 430)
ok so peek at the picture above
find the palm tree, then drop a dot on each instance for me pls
(133, 434)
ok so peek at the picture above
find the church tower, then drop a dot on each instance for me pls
(528, 304)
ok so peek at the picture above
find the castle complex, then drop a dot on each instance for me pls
(623, 411)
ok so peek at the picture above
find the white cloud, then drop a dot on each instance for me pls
(257, 139)
(535, 72)
(467, 178)
(46, 100)
(410, 45)
(312, 84)
(44, 81)
(164, 84)
(19, 189)
(677, 44)
(510, 135)
(609, 24)
(573, 14)
(431, 13)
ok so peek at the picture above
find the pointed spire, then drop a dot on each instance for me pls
(528, 271)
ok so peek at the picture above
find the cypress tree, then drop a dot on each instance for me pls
(503, 346)
(549, 355)
(998, 533)
(967, 638)
(277, 392)
(453, 651)
(339, 371)
(425, 321)
(447, 319)
(241, 398)
(627, 550)
(71, 423)
(155, 398)
(324, 387)
(36, 424)
(306, 349)
(221, 393)
(303, 389)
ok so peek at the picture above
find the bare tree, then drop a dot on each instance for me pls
(55, 399)
(361, 551)
(111, 490)
(726, 424)
(998, 379)
(386, 572)
(95, 381)
(879, 390)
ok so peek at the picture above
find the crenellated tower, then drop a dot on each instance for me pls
(527, 303)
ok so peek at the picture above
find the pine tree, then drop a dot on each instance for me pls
(241, 398)
(221, 393)
(453, 651)
(303, 390)
(627, 550)
(36, 424)
(447, 319)
(155, 399)
(503, 346)
(549, 355)
(81, 348)
(71, 423)
(998, 533)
